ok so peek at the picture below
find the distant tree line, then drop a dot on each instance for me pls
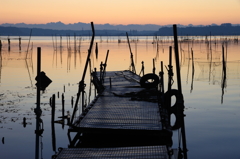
(224, 29)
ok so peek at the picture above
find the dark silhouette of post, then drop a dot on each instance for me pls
(81, 83)
(179, 87)
(38, 110)
(19, 40)
(0, 45)
(9, 44)
(52, 123)
(131, 56)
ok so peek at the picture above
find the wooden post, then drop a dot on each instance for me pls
(52, 123)
(142, 70)
(170, 72)
(179, 87)
(154, 66)
(110, 80)
(177, 58)
(72, 101)
(38, 109)
(131, 55)
(9, 45)
(0, 45)
(81, 83)
(104, 67)
(19, 40)
(63, 109)
(162, 78)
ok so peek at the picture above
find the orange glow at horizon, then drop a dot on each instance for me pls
(121, 12)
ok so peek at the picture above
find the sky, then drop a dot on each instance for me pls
(160, 12)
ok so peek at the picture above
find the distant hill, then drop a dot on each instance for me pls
(84, 29)
(85, 26)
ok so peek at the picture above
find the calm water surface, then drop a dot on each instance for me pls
(211, 105)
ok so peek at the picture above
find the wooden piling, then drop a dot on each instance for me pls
(131, 55)
(63, 105)
(179, 87)
(110, 80)
(162, 79)
(154, 68)
(52, 124)
(63, 110)
(38, 109)
(142, 70)
(0, 45)
(170, 72)
(104, 67)
(81, 83)
(72, 101)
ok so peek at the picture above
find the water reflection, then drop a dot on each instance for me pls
(206, 81)
(212, 62)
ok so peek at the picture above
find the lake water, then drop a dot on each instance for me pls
(211, 102)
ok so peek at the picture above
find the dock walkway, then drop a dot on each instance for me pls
(121, 122)
(145, 152)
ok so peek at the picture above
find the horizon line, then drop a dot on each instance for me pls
(119, 24)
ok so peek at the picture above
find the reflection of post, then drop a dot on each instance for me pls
(223, 84)
(38, 110)
(193, 69)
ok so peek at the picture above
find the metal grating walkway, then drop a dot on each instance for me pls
(143, 152)
(113, 112)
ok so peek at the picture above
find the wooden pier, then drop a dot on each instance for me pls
(130, 116)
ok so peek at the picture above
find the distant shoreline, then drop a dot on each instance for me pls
(163, 31)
